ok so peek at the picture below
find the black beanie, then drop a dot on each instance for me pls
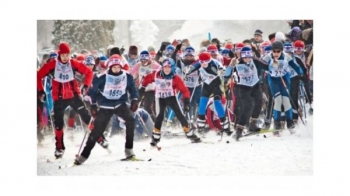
(114, 50)
(133, 50)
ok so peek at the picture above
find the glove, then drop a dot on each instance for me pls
(93, 110)
(84, 90)
(122, 49)
(178, 47)
(87, 98)
(42, 96)
(186, 105)
(134, 105)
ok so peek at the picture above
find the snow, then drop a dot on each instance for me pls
(288, 155)
(144, 33)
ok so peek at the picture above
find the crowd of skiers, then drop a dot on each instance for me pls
(221, 86)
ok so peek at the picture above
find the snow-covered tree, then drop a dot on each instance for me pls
(84, 34)
(144, 33)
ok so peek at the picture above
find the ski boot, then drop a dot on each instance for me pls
(239, 131)
(192, 136)
(291, 126)
(277, 127)
(156, 135)
(103, 142)
(225, 127)
(253, 127)
(129, 154)
(79, 160)
(267, 125)
(59, 153)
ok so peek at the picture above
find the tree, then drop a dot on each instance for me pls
(83, 34)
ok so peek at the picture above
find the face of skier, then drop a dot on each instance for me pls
(133, 56)
(204, 64)
(298, 50)
(167, 69)
(64, 57)
(116, 68)
(257, 38)
(247, 59)
(276, 53)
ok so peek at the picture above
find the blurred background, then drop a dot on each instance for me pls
(99, 34)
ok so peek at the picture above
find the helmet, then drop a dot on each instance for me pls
(89, 60)
(144, 55)
(277, 45)
(246, 52)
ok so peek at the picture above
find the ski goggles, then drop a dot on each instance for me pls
(189, 53)
(288, 49)
(298, 49)
(114, 62)
(246, 54)
(166, 63)
(169, 51)
(213, 51)
(204, 61)
(238, 49)
(276, 51)
(144, 57)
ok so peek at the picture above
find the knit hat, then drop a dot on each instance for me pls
(133, 50)
(89, 60)
(144, 55)
(189, 51)
(169, 49)
(225, 52)
(258, 32)
(277, 45)
(63, 48)
(53, 55)
(288, 48)
(246, 52)
(229, 46)
(204, 57)
(114, 50)
(279, 36)
(80, 58)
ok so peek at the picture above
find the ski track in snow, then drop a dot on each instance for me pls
(255, 155)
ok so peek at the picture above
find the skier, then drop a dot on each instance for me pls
(110, 91)
(248, 90)
(166, 82)
(62, 69)
(210, 73)
(279, 82)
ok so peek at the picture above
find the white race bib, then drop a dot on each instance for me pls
(164, 88)
(63, 72)
(279, 68)
(192, 79)
(248, 74)
(115, 86)
(206, 77)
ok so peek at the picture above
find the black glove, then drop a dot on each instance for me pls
(84, 90)
(42, 96)
(186, 105)
(178, 47)
(93, 110)
(122, 49)
(163, 46)
(134, 105)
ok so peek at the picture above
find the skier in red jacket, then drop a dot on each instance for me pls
(64, 88)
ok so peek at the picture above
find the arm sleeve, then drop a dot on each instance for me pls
(85, 71)
(44, 71)
(134, 93)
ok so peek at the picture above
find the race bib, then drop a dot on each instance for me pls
(206, 77)
(248, 74)
(164, 88)
(63, 72)
(278, 68)
(115, 86)
(192, 79)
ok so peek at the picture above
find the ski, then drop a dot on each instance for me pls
(131, 159)
(67, 166)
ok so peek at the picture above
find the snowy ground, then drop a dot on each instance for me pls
(290, 155)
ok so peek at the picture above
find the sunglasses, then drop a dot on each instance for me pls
(144, 57)
(213, 51)
(276, 51)
(204, 62)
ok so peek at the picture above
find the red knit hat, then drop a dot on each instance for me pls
(63, 48)
(204, 56)
(229, 46)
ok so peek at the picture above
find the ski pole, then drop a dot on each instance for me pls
(91, 120)
(290, 99)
